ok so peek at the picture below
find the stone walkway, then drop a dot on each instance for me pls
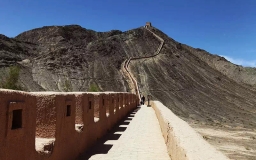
(138, 137)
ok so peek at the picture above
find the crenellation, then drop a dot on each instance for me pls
(148, 25)
(13, 138)
(54, 125)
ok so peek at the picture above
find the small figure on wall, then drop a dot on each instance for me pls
(142, 100)
(149, 97)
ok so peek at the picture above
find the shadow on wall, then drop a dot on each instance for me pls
(56, 126)
(100, 147)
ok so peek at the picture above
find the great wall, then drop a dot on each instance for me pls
(62, 126)
(57, 125)
(125, 66)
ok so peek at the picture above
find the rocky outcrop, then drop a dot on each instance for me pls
(13, 51)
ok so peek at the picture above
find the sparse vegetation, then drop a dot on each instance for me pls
(247, 148)
(67, 86)
(11, 81)
(93, 88)
(206, 138)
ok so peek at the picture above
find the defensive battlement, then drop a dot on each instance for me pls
(53, 125)
(148, 25)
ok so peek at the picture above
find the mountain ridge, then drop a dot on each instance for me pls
(53, 56)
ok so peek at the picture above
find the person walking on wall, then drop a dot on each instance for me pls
(142, 100)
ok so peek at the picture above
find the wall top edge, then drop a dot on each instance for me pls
(59, 93)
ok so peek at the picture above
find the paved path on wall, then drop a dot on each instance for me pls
(138, 137)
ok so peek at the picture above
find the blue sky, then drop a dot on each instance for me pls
(223, 27)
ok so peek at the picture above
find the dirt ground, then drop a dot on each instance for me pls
(236, 143)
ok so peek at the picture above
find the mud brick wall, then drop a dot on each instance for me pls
(71, 122)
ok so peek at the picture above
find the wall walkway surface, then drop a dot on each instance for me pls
(137, 137)
(57, 126)
(182, 141)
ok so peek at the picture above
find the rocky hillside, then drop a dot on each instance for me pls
(71, 58)
(196, 85)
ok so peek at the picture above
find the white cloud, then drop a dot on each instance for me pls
(246, 63)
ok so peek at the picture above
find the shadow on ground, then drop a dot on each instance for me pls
(100, 147)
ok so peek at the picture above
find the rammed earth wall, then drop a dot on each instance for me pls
(57, 126)
(182, 141)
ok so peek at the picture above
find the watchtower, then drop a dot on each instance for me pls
(148, 25)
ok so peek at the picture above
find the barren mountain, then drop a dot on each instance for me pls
(205, 90)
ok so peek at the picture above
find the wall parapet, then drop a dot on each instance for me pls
(182, 141)
(57, 125)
